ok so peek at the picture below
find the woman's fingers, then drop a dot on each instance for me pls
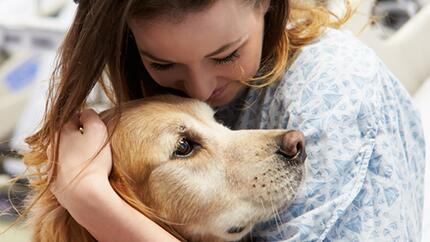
(72, 124)
(91, 121)
(84, 136)
(82, 153)
(84, 122)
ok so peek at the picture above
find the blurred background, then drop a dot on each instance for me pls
(32, 30)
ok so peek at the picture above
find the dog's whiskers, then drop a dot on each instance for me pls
(262, 204)
(277, 217)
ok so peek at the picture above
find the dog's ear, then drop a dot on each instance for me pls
(122, 185)
(109, 117)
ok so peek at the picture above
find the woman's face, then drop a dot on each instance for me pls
(206, 53)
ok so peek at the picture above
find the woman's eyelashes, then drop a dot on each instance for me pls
(226, 60)
(160, 67)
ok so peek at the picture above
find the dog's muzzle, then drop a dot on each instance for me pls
(297, 159)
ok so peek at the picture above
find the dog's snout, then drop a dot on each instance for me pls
(293, 145)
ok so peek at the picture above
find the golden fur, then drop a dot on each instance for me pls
(228, 182)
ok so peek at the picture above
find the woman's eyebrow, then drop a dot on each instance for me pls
(150, 56)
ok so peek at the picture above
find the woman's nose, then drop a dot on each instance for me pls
(200, 84)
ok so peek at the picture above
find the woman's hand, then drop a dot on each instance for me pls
(82, 186)
(80, 166)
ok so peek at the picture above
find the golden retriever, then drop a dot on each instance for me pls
(195, 177)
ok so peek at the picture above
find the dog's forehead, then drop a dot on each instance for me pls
(166, 112)
(159, 124)
(161, 113)
(174, 107)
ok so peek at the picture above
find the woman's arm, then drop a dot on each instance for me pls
(107, 217)
(83, 188)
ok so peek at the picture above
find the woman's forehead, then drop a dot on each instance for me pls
(224, 22)
(200, 33)
(175, 10)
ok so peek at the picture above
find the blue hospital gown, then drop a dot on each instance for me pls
(365, 165)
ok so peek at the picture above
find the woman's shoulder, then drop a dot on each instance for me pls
(332, 75)
(336, 75)
(335, 49)
(336, 63)
(336, 42)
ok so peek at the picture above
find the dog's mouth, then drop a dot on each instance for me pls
(272, 189)
(278, 186)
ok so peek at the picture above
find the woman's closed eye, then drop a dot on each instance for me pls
(161, 67)
(218, 61)
(228, 59)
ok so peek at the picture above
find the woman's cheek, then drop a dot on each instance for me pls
(166, 81)
(162, 78)
(249, 65)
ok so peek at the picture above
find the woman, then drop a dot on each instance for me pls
(262, 64)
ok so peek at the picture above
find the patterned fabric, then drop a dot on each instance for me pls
(365, 165)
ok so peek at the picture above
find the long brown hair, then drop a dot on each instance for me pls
(99, 48)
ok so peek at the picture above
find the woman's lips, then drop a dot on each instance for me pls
(217, 92)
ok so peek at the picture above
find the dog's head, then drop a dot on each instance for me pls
(201, 176)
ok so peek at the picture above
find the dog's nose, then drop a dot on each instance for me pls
(293, 145)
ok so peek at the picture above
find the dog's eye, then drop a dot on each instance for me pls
(235, 230)
(185, 148)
